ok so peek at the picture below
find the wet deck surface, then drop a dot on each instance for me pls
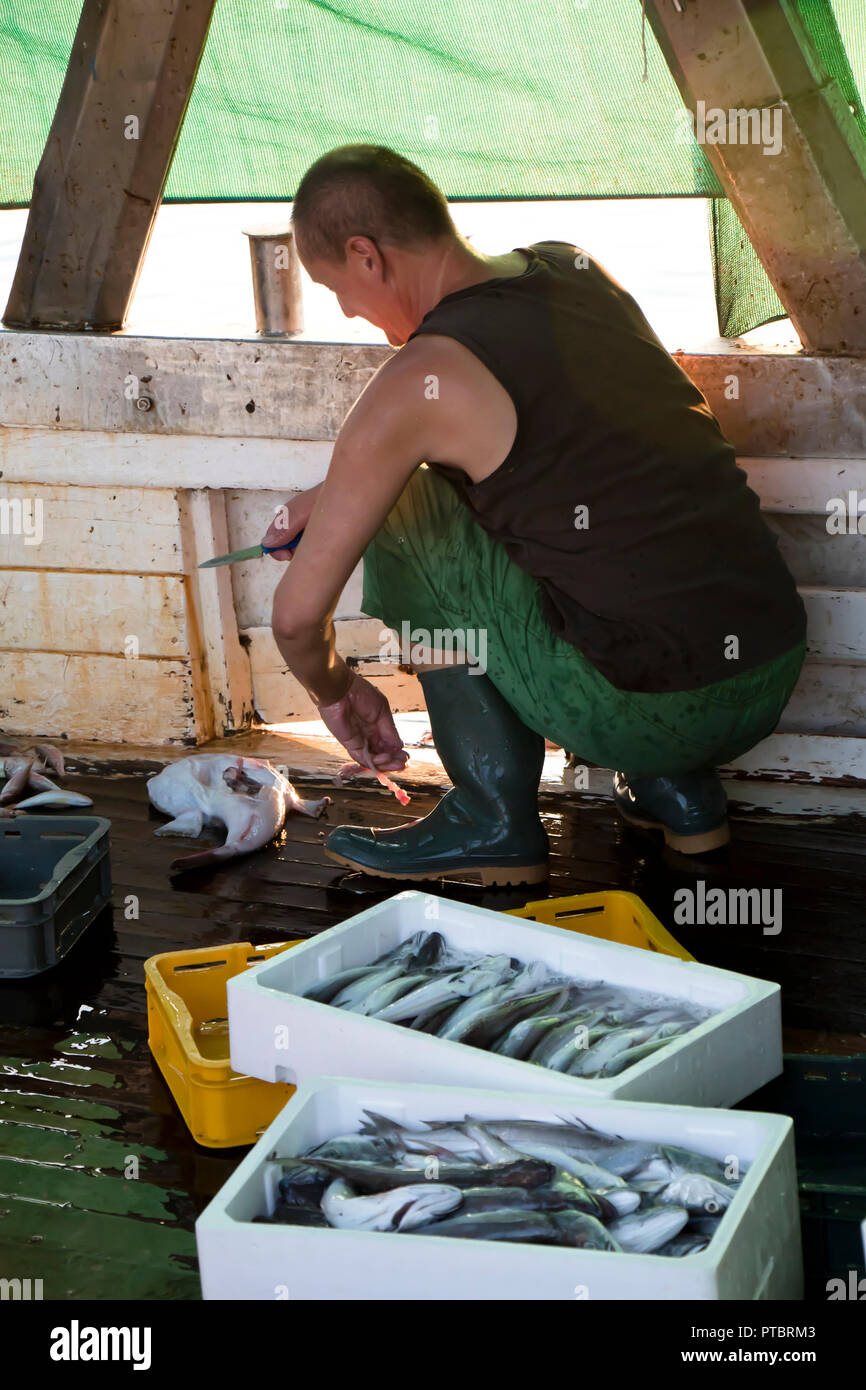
(100, 1182)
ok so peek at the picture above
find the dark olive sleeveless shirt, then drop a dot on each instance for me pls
(671, 558)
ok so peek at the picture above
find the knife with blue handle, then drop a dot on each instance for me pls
(252, 552)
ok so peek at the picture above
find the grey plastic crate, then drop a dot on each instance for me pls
(55, 878)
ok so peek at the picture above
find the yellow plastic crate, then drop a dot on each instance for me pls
(613, 916)
(188, 1036)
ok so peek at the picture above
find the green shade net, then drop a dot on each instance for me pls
(511, 100)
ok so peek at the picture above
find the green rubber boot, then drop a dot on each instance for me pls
(488, 825)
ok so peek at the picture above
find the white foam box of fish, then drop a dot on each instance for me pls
(754, 1254)
(279, 1036)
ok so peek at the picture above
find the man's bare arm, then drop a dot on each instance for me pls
(434, 400)
(381, 444)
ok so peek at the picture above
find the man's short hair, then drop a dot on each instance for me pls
(367, 190)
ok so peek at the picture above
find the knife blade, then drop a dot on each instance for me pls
(252, 552)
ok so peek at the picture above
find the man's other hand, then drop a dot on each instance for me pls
(362, 721)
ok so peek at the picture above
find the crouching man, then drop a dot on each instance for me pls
(533, 468)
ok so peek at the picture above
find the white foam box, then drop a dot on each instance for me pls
(755, 1253)
(278, 1036)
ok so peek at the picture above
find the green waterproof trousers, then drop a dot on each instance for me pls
(435, 576)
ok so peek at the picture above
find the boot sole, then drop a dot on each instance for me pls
(684, 844)
(488, 876)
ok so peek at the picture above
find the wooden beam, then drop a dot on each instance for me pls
(99, 182)
(218, 658)
(214, 386)
(803, 206)
(768, 403)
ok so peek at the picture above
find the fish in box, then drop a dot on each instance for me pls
(714, 1038)
(753, 1250)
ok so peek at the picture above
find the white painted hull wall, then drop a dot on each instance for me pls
(109, 632)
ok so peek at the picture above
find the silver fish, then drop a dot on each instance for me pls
(532, 1227)
(490, 1021)
(565, 1186)
(53, 798)
(26, 772)
(590, 1174)
(698, 1194)
(624, 1200)
(668, 1162)
(560, 1041)
(423, 949)
(459, 1020)
(364, 1146)
(404, 1209)
(51, 758)
(548, 1198)
(431, 1020)
(643, 1232)
(447, 1137)
(395, 1138)
(635, 1054)
(456, 985)
(17, 770)
(355, 993)
(323, 991)
(689, 1243)
(385, 994)
(478, 1199)
(583, 1231)
(619, 1156)
(490, 1146)
(428, 954)
(562, 1057)
(519, 1040)
(382, 1176)
(596, 1059)
(569, 1192)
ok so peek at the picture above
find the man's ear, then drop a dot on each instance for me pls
(364, 251)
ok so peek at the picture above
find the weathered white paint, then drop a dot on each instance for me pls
(122, 529)
(803, 484)
(836, 621)
(768, 403)
(94, 697)
(817, 558)
(278, 696)
(220, 666)
(811, 756)
(249, 514)
(250, 387)
(288, 466)
(829, 698)
(773, 404)
(135, 460)
(48, 610)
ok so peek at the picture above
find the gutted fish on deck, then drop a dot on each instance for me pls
(246, 795)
